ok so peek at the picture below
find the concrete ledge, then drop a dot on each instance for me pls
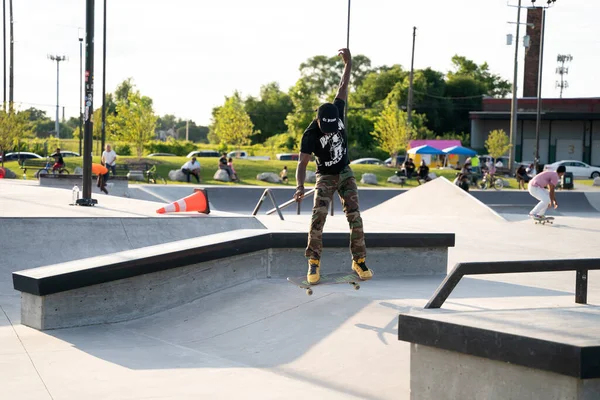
(116, 185)
(139, 282)
(437, 374)
(524, 354)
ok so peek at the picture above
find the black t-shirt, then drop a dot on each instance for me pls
(331, 150)
(58, 159)
(223, 161)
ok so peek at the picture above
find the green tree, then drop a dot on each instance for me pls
(376, 86)
(231, 124)
(391, 130)
(13, 127)
(135, 121)
(497, 143)
(305, 103)
(493, 85)
(268, 112)
(323, 74)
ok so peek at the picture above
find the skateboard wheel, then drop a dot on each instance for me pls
(356, 287)
(309, 292)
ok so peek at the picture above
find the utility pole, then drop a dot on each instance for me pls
(410, 86)
(80, 91)
(562, 71)
(513, 111)
(4, 37)
(11, 87)
(187, 130)
(103, 140)
(87, 200)
(58, 59)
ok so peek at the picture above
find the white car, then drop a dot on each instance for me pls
(373, 161)
(23, 155)
(577, 168)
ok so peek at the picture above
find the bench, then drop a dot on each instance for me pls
(41, 165)
(135, 283)
(127, 169)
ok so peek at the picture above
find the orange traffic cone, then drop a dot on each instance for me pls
(194, 202)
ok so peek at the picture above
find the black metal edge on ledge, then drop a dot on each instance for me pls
(560, 358)
(115, 270)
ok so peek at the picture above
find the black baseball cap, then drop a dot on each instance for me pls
(328, 116)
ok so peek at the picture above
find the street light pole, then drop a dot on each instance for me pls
(347, 46)
(58, 59)
(80, 91)
(513, 111)
(87, 200)
(538, 121)
(103, 140)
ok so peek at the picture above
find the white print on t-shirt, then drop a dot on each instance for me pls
(336, 150)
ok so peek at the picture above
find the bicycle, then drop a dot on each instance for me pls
(153, 176)
(48, 169)
(490, 181)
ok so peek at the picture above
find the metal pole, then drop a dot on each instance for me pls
(87, 200)
(11, 86)
(513, 111)
(80, 93)
(56, 125)
(4, 37)
(103, 140)
(539, 92)
(347, 46)
(410, 86)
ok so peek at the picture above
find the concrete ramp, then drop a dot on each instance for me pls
(438, 198)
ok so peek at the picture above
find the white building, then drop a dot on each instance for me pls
(570, 128)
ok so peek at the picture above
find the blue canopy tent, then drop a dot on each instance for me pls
(459, 150)
(425, 149)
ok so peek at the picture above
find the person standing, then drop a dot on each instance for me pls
(546, 197)
(109, 159)
(326, 138)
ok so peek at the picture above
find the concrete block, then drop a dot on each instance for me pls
(385, 262)
(143, 295)
(269, 177)
(437, 374)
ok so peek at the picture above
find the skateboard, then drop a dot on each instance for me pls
(544, 220)
(331, 279)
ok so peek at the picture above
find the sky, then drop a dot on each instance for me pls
(188, 55)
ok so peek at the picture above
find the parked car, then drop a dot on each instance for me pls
(204, 153)
(244, 154)
(23, 155)
(399, 161)
(66, 153)
(577, 168)
(161, 155)
(372, 161)
(287, 156)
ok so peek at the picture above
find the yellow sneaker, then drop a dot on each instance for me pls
(361, 269)
(313, 275)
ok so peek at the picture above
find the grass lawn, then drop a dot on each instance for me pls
(248, 170)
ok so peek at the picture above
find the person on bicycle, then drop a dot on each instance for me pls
(58, 161)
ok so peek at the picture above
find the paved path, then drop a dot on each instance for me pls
(266, 339)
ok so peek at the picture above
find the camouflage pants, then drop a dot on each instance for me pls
(326, 186)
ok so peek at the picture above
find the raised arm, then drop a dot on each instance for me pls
(342, 92)
(303, 161)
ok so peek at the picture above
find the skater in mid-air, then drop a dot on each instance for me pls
(546, 197)
(326, 138)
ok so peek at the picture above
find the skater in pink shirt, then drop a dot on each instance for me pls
(547, 198)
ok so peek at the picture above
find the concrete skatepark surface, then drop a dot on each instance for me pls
(266, 338)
